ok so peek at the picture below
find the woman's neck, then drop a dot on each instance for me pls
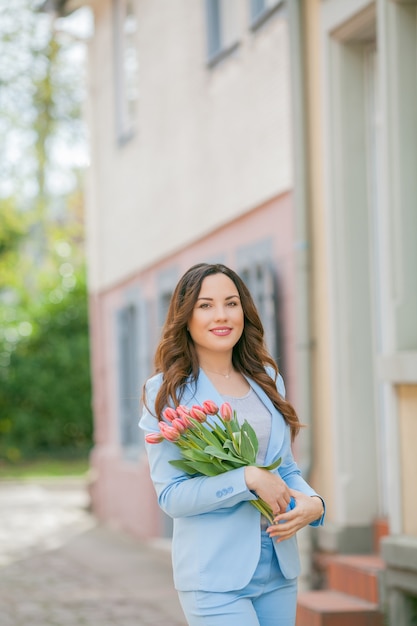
(224, 377)
(221, 365)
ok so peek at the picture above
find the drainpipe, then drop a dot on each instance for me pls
(302, 253)
(302, 250)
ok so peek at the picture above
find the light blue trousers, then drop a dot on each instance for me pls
(268, 600)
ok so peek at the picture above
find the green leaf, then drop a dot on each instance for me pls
(234, 424)
(247, 450)
(194, 455)
(219, 432)
(237, 441)
(220, 454)
(195, 439)
(184, 466)
(208, 436)
(247, 428)
(273, 465)
(228, 445)
(196, 467)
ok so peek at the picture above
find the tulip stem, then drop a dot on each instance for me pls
(264, 508)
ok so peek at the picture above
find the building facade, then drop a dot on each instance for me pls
(359, 78)
(190, 121)
(279, 138)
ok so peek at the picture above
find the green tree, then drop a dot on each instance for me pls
(44, 360)
(45, 399)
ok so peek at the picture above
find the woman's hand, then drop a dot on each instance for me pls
(307, 509)
(269, 487)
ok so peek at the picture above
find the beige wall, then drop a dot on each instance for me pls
(227, 152)
(388, 366)
(407, 405)
(322, 392)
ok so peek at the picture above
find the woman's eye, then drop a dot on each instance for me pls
(204, 305)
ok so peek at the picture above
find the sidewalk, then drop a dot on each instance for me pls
(58, 567)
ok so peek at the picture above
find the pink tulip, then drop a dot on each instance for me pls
(181, 408)
(179, 425)
(170, 414)
(226, 411)
(197, 412)
(184, 419)
(184, 414)
(154, 438)
(169, 433)
(210, 407)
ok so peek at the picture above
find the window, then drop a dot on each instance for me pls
(128, 378)
(221, 22)
(257, 271)
(261, 10)
(125, 67)
(166, 281)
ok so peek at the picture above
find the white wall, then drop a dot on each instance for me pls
(211, 143)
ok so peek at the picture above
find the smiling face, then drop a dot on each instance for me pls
(217, 321)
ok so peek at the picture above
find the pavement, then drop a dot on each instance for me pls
(60, 567)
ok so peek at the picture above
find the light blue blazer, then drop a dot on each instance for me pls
(216, 535)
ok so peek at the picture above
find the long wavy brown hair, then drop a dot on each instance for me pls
(176, 356)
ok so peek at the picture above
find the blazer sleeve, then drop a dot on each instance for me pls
(179, 494)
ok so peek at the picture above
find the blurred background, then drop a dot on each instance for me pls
(45, 399)
(277, 136)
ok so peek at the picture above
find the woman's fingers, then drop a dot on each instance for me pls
(287, 524)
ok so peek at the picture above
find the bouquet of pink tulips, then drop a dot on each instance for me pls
(211, 447)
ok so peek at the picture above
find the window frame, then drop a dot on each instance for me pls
(125, 107)
(256, 267)
(217, 45)
(260, 12)
(132, 356)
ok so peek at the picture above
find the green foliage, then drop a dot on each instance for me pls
(412, 600)
(45, 394)
(45, 387)
(12, 228)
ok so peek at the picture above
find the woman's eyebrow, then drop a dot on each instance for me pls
(211, 299)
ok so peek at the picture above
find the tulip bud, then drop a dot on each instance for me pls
(154, 438)
(184, 413)
(185, 421)
(210, 407)
(226, 411)
(169, 433)
(198, 413)
(181, 408)
(170, 414)
(178, 424)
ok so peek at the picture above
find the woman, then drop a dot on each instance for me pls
(231, 567)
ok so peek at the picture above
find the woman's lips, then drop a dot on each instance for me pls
(221, 331)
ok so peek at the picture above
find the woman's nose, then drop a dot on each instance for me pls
(220, 312)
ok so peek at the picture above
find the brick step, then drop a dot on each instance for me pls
(356, 575)
(332, 608)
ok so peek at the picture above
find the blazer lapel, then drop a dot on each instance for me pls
(200, 391)
(206, 390)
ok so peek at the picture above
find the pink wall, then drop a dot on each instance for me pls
(121, 491)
